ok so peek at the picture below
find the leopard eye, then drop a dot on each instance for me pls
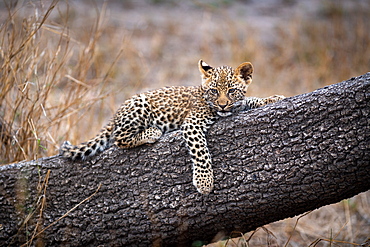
(213, 91)
(232, 90)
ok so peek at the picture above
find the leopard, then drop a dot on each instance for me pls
(146, 117)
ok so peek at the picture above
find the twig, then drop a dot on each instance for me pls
(69, 211)
(42, 206)
(295, 226)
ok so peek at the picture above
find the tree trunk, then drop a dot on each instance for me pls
(269, 163)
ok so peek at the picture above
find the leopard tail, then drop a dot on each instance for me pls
(90, 148)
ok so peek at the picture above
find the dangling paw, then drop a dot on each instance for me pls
(203, 180)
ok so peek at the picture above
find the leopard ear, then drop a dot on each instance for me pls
(204, 69)
(244, 72)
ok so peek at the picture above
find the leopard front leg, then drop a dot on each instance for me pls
(130, 140)
(273, 99)
(194, 135)
(254, 102)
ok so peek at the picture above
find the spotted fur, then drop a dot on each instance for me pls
(145, 117)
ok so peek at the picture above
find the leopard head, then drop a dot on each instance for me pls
(224, 88)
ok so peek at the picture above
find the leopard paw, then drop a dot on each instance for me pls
(275, 98)
(203, 180)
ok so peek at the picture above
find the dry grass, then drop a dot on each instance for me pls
(343, 224)
(67, 67)
(48, 79)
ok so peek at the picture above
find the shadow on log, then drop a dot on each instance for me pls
(269, 163)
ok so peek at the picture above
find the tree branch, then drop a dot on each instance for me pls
(269, 163)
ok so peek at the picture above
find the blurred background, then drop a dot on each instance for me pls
(66, 66)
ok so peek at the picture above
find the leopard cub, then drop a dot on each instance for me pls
(145, 117)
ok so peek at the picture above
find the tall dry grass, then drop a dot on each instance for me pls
(67, 67)
(48, 78)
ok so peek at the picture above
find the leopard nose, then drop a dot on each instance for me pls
(222, 106)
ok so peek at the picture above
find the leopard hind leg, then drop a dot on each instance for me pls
(148, 135)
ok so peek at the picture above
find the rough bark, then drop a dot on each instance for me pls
(269, 163)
